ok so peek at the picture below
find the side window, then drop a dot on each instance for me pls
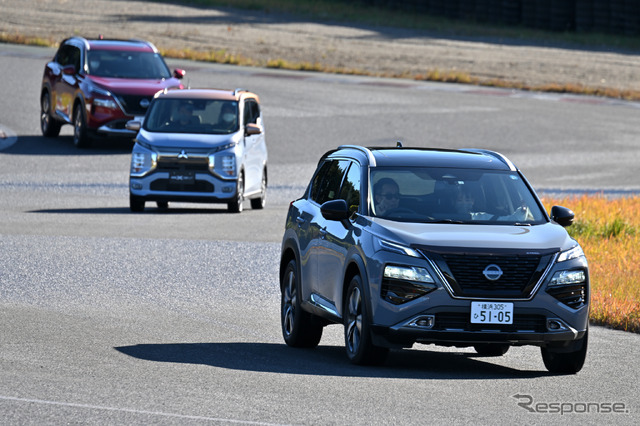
(69, 55)
(350, 191)
(251, 111)
(75, 58)
(326, 183)
(62, 57)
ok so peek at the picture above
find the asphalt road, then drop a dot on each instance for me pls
(109, 317)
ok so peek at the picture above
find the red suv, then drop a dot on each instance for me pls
(98, 85)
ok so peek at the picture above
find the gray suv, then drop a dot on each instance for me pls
(446, 247)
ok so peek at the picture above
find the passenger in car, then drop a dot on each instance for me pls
(228, 116)
(185, 116)
(386, 195)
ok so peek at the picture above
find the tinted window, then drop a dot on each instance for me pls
(350, 191)
(326, 183)
(251, 111)
(209, 116)
(124, 64)
(69, 55)
(461, 195)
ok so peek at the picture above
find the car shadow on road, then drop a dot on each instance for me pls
(326, 361)
(222, 209)
(63, 145)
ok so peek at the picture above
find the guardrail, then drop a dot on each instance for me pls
(603, 16)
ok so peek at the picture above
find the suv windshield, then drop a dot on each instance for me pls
(452, 195)
(127, 64)
(208, 116)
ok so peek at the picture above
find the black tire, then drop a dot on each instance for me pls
(357, 328)
(236, 205)
(259, 203)
(50, 126)
(298, 327)
(80, 134)
(136, 204)
(162, 205)
(491, 349)
(566, 362)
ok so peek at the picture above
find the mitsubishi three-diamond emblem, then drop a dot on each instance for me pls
(183, 155)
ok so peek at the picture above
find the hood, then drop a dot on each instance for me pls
(186, 140)
(536, 237)
(134, 86)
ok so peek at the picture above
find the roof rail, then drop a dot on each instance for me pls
(494, 154)
(365, 150)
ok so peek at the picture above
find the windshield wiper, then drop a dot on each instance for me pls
(446, 221)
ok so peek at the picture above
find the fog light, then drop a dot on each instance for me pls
(228, 189)
(136, 185)
(423, 321)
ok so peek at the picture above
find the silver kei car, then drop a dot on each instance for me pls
(446, 247)
(200, 145)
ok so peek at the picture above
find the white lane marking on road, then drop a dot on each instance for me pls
(128, 410)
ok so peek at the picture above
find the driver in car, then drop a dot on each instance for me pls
(386, 195)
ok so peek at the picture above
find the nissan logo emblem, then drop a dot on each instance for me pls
(144, 103)
(492, 272)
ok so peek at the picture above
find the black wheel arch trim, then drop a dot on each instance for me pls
(355, 260)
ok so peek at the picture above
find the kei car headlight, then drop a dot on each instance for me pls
(142, 162)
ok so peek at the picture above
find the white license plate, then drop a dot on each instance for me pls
(491, 313)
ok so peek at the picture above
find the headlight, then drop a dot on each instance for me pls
(571, 254)
(105, 103)
(568, 278)
(402, 284)
(142, 162)
(398, 248)
(228, 165)
(408, 273)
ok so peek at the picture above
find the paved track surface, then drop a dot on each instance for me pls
(109, 317)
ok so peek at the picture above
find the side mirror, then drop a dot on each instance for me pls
(179, 74)
(335, 210)
(133, 125)
(252, 129)
(562, 215)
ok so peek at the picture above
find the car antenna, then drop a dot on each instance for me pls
(398, 144)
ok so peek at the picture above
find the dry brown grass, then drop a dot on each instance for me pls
(609, 232)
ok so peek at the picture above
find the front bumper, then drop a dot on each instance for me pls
(451, 326)
(204, 188)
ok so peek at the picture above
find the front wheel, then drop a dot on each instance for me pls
(136, 204)
(80, 133)
(235, 206)
(298, 327)
(357, 328)
(560, 361)
(50, 126)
